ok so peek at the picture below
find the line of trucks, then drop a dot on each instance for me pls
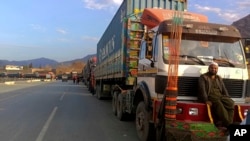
(131, 66)
(88, 74)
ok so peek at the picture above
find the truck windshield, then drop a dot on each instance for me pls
(193, 52)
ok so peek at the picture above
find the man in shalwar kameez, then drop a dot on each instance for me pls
(213, 92)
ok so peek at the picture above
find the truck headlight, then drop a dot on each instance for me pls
(179, 111)
(193, 111)
(245, 112)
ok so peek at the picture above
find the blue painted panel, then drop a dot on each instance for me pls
(115, 36)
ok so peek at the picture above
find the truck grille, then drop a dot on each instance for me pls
(234, 87)
(188, 86)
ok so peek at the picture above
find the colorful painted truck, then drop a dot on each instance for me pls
(113, 53)
(246, 45)
(132, 68)
(88, 73)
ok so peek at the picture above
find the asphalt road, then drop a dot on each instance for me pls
(58, 111)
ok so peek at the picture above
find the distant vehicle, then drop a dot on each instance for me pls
(74, 76)
(64, 78)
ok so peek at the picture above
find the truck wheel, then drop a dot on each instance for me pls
(98, 92)
(89, 88)
(142, 122)
(114, 103)
(92, 91)
(160, 133)
(119, 104)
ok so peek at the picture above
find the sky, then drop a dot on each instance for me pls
(64, 30)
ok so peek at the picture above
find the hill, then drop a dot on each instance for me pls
(243, 25)
(39, 62)
(42, 62)
(84, 59)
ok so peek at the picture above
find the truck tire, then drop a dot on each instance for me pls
(160, 133)
(92, 91)
(119, 105)
(114, 102)
(143, 127)
(98, 92)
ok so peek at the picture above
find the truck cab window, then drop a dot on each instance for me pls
(143, 50)
(225, 53)
(165, 44)
(155, 48)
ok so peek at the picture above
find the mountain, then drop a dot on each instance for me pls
(243, 25)
(42, 62)
(84, 59)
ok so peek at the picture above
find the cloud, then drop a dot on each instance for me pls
(101, 4)
(118, 2)
(227, 14)
(207, 9)
(243, 4)
(230, 15)
(2, 45)
(38, 27)
(61, 31)
(88, 38)
(63, 40)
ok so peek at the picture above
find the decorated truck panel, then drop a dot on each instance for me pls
(88, 74)
(133, 65)
(117, 51)
(217, 43)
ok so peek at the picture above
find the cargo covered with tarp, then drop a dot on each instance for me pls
(118, 48)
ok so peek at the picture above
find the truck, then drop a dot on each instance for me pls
(88, 73)
(133, 64)
(246, 45)
(112, 47)
(74, 76)
(65, 77)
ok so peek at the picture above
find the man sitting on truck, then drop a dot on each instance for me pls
(213, 92)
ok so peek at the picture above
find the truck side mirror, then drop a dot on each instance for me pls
(149, 51)
(247, 51)
(152, 64)
(149, 44)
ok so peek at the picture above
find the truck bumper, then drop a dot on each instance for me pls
(193, 131)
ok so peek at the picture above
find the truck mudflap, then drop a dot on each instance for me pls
(193, 131)
(240, 112)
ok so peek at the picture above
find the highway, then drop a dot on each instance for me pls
(58, 111)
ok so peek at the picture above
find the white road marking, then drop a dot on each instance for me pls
(61, 98)
(46, 125)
